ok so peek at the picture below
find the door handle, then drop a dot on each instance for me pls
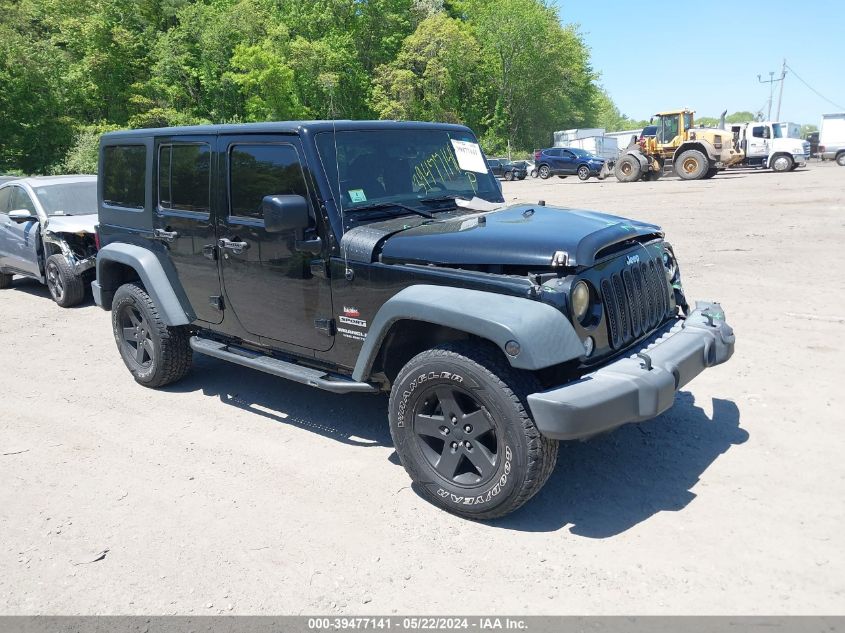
(167, 236)
(235, 247)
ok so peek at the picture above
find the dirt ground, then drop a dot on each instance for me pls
(236, 492)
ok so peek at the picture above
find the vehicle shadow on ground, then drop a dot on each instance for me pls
(609, 484)
(37, 289)
(355, 418)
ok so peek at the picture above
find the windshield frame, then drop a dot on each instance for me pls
(325, 154)
(47, 204)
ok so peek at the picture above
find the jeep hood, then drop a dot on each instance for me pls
(521, 235)
(72, 223)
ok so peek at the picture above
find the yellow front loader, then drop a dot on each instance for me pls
(672, 142)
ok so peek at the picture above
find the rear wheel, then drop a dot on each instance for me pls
(544, 171)
(584, 172)
(533, 173)
(155, 354)
(627, 169)
(462, 429)
(691, 165)
(782, 162)
(840, 159)
(65, 286)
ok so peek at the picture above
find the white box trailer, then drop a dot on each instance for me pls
(563, 138)
(832, 137)
(603, 146)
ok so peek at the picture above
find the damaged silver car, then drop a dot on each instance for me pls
(47, 232)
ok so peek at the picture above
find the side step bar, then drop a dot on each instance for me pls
(283, 369)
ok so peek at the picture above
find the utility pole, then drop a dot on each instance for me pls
(780, 95)
(771, 81)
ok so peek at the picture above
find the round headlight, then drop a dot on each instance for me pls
(580, 300)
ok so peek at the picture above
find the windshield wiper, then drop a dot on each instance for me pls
(395, 205)
(450, 198)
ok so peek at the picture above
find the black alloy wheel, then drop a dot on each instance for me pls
(455, 436)
(136, 340)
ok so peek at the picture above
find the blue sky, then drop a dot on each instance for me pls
(690, 72)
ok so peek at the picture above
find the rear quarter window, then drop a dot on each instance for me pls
(124, 168)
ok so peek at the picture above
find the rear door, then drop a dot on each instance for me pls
(184, 220)
(277, 290)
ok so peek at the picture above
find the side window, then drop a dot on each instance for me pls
(568, 155)
(184, 177)
(759, 131)
(553, 152)
(21, 200)
(5, 199)
(124, 167)
(256, 171)
(687, 120)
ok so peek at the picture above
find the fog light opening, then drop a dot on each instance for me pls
(512, 348)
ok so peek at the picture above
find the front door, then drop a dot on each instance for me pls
(568, 163)
(20, 239)
(185, 219)
(270, 284)
(758, 141)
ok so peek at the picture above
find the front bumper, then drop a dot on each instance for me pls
(800, 159)
(640, 386)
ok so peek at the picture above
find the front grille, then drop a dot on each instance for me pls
(635, 301)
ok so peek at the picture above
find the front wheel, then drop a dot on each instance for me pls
(508, 176)
(153, 352)
(65, 286)
(461, 427)
(584, 172)
(544, 172)
(840, 159)
(533, 173)
(782, 163)
(627, 169)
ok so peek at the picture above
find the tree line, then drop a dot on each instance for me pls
(72, 69)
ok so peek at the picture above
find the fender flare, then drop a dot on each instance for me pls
(152, 275)
(545, 335)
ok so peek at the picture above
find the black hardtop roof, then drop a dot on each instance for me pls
(285, 127)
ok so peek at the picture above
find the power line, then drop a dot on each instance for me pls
(798, 77)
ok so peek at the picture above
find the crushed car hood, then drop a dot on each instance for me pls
(72, 223)
(521, 235)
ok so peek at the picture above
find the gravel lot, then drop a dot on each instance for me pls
(235, 492)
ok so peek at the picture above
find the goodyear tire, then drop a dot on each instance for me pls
(584, 172)
(627, 169)
(544, 171)
(840, 159)
(155, 354)
(782, 163)
(65, 286)
(462, 429)
(691, 165)
(508, 175)
(5, 280)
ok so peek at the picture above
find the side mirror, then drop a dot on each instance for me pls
(21, 215)
(285, 213)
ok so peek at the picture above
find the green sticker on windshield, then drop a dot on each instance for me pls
(357, 195)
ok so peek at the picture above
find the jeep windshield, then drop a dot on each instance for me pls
(398, 171)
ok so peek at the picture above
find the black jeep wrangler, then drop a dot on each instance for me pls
(378, 256)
